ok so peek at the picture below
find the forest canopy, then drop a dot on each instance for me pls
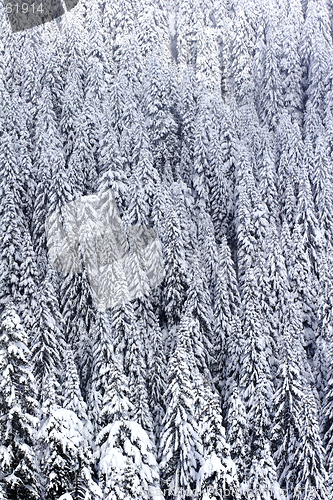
(212, 122)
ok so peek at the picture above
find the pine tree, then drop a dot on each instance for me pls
(78, 313)
(153, 34)
(161, 126)
(271, 86)
(48, 158)
(61, 440)
(154, 358)
(263, 482)
(256, 375)
(81, 163)
(28, 285)
(307, 221)
(224, 146)
(241, 51)
(125, 452)
(175, 282)
(47, 346)
(71, 105)
(291, 70)
(201, 166)
(131, 63)
(76, 409)
(198, 305)
(180, 445)
(13, 223)
(19, 411)
(290, 151)
(237, 433)
(128, 468)
(218, 473)
(11, 246)
(229, 342)
(135, 369)
(207, 58)
(287, 402)
(328, 420)
(322, 187)
(310, 474)
(188, 105)
(101, 354)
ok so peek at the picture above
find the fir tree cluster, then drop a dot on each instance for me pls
(211, 121)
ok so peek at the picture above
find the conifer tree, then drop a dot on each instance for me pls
(47, 346)
(188, 106)
(201, 157)
(161, 125)
(81, 164)
(175, 281)
(237, 435)
(28, 285)
(263, 482)
(180, 445)
(291, 70)
(82, 481)
(18, 412)
(136, 369)
(198, 304)
(328, 420)
(229, 342)
(240, 71)
(218, 473)
(271, 86)
(310, 474)
(125, 452)
(71, 105)
(287, 402)
(224, 146)
(256, 375)
(101, 352)
(47, 158)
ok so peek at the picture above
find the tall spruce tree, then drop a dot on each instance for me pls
(19, 475)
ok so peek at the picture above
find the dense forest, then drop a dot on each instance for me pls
(212, 122)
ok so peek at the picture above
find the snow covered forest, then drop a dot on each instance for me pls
(211, 121)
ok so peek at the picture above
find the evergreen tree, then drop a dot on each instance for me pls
(229, 343)
(291, 70)
(198, 304)
(81, 164)
(136, 369)
(180, 446)
(127, 466)
(256, 375)
(287, 404)
(310, 474)
(77, 410)
(241, 51)
(48, 158)
(71, 105)
(201, 166)
(328, 421)
(18, 412)
(47, 346)
(218, 473)
(271, 86)
(101, 354)
(237, 433)
(161, 126)
(263, 482)
(175, 281)
(188, 106)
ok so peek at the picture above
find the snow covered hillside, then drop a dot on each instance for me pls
(212, 122)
